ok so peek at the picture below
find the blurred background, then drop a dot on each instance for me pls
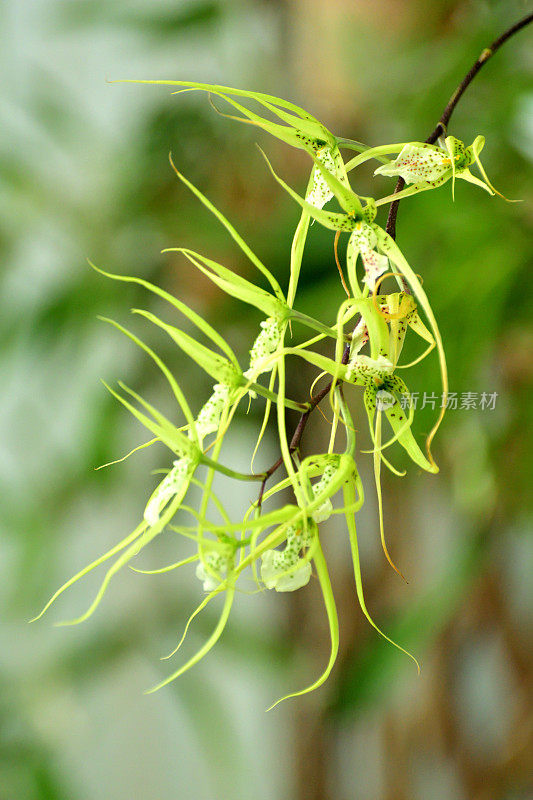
(84, 174)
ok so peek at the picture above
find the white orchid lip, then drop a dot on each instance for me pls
(325, 510)
(375, 264)
(265, 345)
(320, 193)
(416, 163)
(277, 574)
(208, 420)
(166, 490)
(212, 569)
(369, 367)
(284, 570)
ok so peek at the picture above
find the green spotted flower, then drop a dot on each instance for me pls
(427, 166)
(294, 126)
(362, 365)
(281, 548)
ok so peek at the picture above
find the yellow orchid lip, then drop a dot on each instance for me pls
(449, 160)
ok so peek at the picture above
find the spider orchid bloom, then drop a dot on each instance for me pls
(400, 312)
(385, 246)
(428, 166)
(285, 570)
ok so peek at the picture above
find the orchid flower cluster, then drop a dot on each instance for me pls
(279, 544)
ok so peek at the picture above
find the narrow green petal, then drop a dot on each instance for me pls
(349, 499)
(334, 368)
(199, 608)
(131, 452)
(168, 568)
(374, 152)
(359, 147)
(214, 364)
(467, 176)
(96, 563)
(377, 479)
(207, 87)
(148, 534)
(415, 188)
(195, 318)
(333, 622)
(266, 416)
(204, 650)
(402, 428)
(331, 220)
(233, 233)
(178, 394)
(312, 323)
(352, 254)
(235, 285)
(297, 250)
(304, 123)
(163, 429)
(391, 249)
(476, 148)
(298, 132)
(282, 132)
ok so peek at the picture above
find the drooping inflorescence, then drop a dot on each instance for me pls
(276, 543)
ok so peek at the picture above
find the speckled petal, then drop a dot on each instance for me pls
(417, 163)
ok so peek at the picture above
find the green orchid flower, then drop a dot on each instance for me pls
(281, 548)
(400, 312)
(374, 237)
(358, 221)
(427, 166)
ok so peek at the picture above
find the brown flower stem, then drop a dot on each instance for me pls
(442, 124)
